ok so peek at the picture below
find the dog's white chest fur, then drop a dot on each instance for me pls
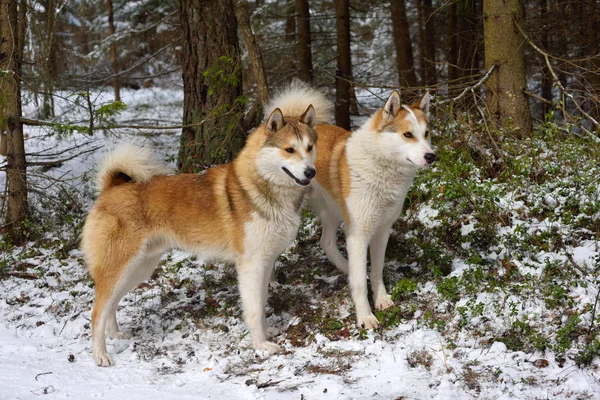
(270, 237)
(378, 191)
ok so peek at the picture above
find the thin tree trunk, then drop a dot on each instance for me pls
(113, 51)
(593, 65)
(212, 85)
(10, 113)
(344, 64)
(421, 41)
(255, 115)
(404, 54)
(290, 22)
(305, 67)
(49, 61)
(506, 100)
(430, 43)
(545, 42)
(241, 12)
(451, 43)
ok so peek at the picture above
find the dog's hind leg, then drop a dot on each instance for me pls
(330, 225)
(144, 269)
(378, 245)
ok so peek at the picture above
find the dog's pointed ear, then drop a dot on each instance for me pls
(275, 121)
(392, 105)
(309, 116)
(423, 103)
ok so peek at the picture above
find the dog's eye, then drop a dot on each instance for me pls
(408, 135)
(426, 133)
(290, 150)
(309, 148)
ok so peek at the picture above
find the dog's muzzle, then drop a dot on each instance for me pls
(308, 172)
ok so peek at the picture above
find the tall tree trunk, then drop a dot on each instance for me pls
(467, 57)
(593, 65)
(430, 43)
(290, 22)
(10, 114)
(49, 61)
(421, 41)
(344, 64)
(212, 85)
(113, 51)
(545, 42)
(255, 116)
(451, 43)
(404, 54)
(305, 67)
(506, 100)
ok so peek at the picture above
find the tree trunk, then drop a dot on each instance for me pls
(504, 48)
(344, 64)
(10, 114)
(404, 55)
(212, 85)
(255, 116)
(305, 67)
(545, 43)
(113, 51)
(290, 22)
(241, 12)
(467, 39)
(430, 43)
(451, 44)
(49, 61)
(594, 65)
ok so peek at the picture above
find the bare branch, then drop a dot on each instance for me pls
(469, 88)
(557, 81)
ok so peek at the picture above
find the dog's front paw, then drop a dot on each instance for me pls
(383, 302)
(269, 347)
(102, 359)
(368, 321)
(272, 332)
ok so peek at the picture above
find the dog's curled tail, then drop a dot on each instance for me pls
(128, 163)
(294, 99)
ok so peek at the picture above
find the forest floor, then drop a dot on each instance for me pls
(493, 267)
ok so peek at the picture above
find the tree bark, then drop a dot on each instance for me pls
(305, 67)
(258, 67)
(505, 98)
(344, 64)
(404, 54)
(545, 43)
(212, 85)
(49, 61)
(10, 114)
(451, 44)
(467, 38)
(430, 43)
(593, 65)
(113, 51)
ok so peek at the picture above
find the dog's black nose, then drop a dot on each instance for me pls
(310, 173)
(429, 157)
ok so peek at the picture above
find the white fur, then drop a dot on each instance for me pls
(264, 240)
(270, 164)
(293, 100)
(382, 168)
(139, 163)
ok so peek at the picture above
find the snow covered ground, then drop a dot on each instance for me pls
(189, 340)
